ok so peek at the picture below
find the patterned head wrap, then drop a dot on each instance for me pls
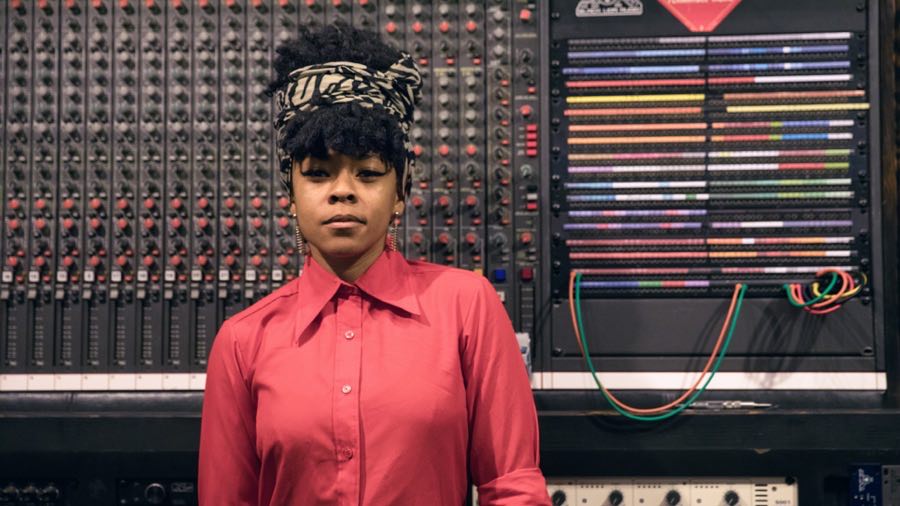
(397, 90)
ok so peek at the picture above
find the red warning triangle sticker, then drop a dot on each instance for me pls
(700, 15)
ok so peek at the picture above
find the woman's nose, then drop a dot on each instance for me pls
(342, 190)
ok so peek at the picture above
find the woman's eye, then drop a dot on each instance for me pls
(315, 173)
(370, 174)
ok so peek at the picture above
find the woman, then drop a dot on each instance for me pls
(369, 379)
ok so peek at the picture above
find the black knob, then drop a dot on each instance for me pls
(49, 493)
(558, 498)
(155, 493)
(616, 498)
(28, 494)
(673, 498)
(9, 493)
(731, 498)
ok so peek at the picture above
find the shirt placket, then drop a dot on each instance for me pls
(348, 354)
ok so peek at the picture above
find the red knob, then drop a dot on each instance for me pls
(122, 223)
(175, 260)
(444, 27)
(229, 203)
(417, 27)
(283, 222)
(95, 203)
(525, 15)
(68, 261)
(95, 223)
(12, 261)
(202, 223)
(202, 260)
(471, 238)
(94, 261)
(149, 203)
(526, 237)
(176, 203)
(14, 204)
(203, 202)
(14, 224)
(148, 223)
(390, 27)
(444, 238)
(417, 150)
(284, 202)
(471, 26)
(417, 201)
(256, 260)
(471, 201)
(68, 204)
(471, 150)
(525, 111)
(444, 150)
(229, 222)
(283, 260)
(444, 201)
(40, 204)
(417, 238)
(121, 260)
(175, 222)
(40, 223)
(39, 261)
(68, 223)
(148, 260)
(229, 260)
(256, 202)
(257, 222)
(122, 204)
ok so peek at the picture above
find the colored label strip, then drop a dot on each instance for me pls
(798, 107)
(603, 99)
(648, 111)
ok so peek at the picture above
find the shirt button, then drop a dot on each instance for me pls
(349, 334)
(347, 453)
(346, 389)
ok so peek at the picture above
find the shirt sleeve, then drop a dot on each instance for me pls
(503, 430)
(229, 467)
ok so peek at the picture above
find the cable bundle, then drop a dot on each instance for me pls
(689, 396)
(811, 298)
(816, 301)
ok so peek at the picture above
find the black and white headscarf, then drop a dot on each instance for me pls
(397, 90)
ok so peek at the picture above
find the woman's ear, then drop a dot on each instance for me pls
(399, 206)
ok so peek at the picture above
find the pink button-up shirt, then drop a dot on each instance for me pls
(382, 392)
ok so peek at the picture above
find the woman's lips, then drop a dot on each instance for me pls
(343, 221)
(343, 224)
(344, 218)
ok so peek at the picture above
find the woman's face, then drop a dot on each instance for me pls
(344, 205)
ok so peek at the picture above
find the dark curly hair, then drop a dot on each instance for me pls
(346, 128)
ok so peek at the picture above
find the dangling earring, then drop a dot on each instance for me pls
(393, 243)
(301, 242)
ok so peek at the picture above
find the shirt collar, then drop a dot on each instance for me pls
(387, 279)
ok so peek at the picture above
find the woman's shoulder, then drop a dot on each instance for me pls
(267, 307)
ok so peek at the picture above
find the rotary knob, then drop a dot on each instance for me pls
(731, 498)
(616, 498)
(673, 498)
(155, 493)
